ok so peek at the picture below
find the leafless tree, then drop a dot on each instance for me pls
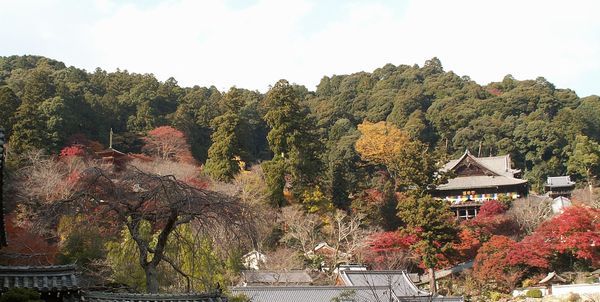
(134, 197)
(347, 234)
(251, 189)
(45, 178)
(283, 259)
(584, 196)
(181, 170)
(300, 229)
(530, 212)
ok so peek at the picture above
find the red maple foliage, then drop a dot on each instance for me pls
(25, 247)
(531, 252)
(389, 250)
(492, 208)
(168, 143)
(466, 249)
(74, 150)
(492, 263)
(495, 91)
(576, 232)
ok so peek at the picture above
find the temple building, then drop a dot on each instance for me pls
(475, 180)
(559, 186)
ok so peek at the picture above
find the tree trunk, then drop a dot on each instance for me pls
(151, 279)
(590, 185)
(432, 284)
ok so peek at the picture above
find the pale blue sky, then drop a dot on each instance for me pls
(252, 44)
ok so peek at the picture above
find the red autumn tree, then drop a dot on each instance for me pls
(389, 250)
(575, 232)
(491, 220)
(466, 249)
(167, 143)
(532, 252)
(492, 208)
(74, 150)
(492, 264)
(26, 247)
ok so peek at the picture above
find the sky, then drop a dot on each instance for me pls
(252, 44)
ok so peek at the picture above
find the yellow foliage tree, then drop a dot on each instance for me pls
(409, 162)
(380, 142)
(315, 201)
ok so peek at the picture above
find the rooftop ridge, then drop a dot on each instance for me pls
(38, 268)
(308, 287)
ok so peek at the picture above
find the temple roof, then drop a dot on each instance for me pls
(471, 182)
(272, 277)
(559, 181)
(329, 293)
(500, 165)
(127, 297)
(480, 172)
(399, 281)
(41, 278)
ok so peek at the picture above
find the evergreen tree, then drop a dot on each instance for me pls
(585, 159)
(432, 223)
(292, 138)
(222, 164)
(29, 130)
(9, 103)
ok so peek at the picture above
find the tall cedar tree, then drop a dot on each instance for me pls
(29, 131)
(432, 223)
(9, 103)
(222, 164)
(292, 139)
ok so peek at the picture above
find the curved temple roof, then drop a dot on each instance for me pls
(41, 278)
(498, 172)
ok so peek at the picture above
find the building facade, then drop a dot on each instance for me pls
(474, 180)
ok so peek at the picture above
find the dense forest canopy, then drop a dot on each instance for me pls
(351, 164)
(45, 104)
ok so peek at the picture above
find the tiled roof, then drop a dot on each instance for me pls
(330, 293)
(399, 281)
(125, 297)
(272, 277)
(499, 166)
(559, 181)
(41, 278)
(314, 293)
(479, 181)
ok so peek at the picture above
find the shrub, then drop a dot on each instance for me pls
(534, 293)
(572, 297)
(21, 295)
(495, 296)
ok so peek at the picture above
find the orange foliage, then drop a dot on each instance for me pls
(576, 231)
(168, 143)
(492, 263)
(25, 247)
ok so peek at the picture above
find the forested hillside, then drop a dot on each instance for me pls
(349, 166)
(44, 104)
